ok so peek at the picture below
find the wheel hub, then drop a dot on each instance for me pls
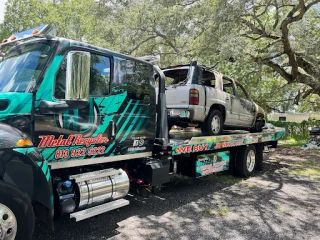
(215, 124)
(8, 223)
(251, 160)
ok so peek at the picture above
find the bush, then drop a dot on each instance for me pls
(295, 130)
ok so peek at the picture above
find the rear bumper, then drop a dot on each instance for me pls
(192, 114)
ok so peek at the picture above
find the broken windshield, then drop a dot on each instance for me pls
(21, 68)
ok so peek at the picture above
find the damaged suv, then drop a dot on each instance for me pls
(197, 96)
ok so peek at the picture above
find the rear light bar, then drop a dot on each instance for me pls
(194, 97)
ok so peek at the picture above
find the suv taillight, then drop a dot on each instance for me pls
(194, 97)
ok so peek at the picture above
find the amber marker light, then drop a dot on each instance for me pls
(24, 143)
(4, 40)
(35, 31)
(13, 38)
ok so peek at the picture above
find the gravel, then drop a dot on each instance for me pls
(281, 202)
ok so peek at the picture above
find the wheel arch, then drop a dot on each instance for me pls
(24, 169)
(219, 107)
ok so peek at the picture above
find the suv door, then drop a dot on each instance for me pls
(244, 106)
(232, 115)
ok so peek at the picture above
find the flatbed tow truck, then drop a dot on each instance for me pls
(81, 126)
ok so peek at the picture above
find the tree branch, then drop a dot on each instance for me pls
(277, 15)
(258, 31)
(139, 44)
(167, 40)
(277, 68)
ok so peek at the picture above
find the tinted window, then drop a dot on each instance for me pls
(137, 80)
(99, 77)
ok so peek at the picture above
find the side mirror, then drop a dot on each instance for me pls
(78, 77)
(77, 85)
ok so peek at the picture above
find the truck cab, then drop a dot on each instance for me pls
(71, 114)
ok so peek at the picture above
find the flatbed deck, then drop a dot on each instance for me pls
(193, 142)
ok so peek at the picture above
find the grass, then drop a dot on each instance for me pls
(249, 184)
(292, 142)
(309, 168)
(223, 211)
(227, 179)
(280, 209)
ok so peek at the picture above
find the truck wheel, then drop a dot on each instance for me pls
(274, 144)
(214, 123)
(16, 214)
(246, 161)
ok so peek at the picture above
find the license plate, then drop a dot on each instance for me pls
(180, 113)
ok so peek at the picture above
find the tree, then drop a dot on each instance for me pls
(270, 46)
(279, 35)
(73, 18)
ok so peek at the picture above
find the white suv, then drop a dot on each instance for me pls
(200, 97)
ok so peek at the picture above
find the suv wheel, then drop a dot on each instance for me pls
(258, 126)
(215, 123)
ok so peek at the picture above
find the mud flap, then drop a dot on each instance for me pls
(259, 157)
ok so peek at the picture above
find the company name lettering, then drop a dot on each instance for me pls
(72, 140)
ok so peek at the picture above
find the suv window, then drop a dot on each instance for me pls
(99, 77)
(176, 76)
(228, 86)
(208, 79)
(241, 92)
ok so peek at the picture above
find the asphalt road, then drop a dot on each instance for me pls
(281, 202)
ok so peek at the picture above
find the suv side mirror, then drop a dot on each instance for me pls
(78, 77)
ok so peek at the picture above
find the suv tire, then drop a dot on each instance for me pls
(214, 123)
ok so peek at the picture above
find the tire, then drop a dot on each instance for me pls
(216, 116)
(246, 161)
(257, 127)
(204, 130)
(274, 144)
(14, 205)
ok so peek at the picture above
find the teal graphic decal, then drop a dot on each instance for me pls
(212, 163)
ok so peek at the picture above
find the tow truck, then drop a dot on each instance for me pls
(81, 126)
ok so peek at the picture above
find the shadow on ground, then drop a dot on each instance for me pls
(279, 203)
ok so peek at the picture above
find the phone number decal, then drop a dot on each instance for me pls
(79, 152)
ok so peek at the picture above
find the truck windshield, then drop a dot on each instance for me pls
(21, 68)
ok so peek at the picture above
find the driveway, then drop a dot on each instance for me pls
(281, 202)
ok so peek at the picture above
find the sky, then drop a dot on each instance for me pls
(2, 5)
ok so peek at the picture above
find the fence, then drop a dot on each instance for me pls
(297, 130)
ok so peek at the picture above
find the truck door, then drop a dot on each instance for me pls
(106, 127)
